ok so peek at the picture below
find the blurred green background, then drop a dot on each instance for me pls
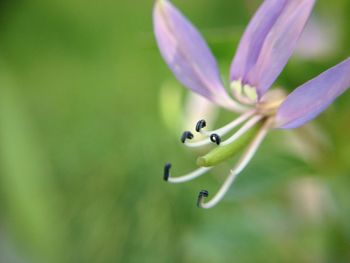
(83, 141)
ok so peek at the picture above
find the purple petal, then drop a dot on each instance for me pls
(269, 41)
(187, 54)
(310, 99)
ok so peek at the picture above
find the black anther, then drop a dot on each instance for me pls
(166, 171)
(186, 135)
(200, 125)
(215, 138)
(202, 194)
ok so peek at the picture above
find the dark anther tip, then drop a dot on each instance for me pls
(166, 171)
(202, 194)
(200, 125)
(215, 138)
(186, 135)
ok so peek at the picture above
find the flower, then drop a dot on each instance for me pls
(264, 50)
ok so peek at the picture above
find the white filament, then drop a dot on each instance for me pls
(201, 143)
(189, 176)
(223, 130)
(228, 127)
(247, 126)
(242, 163)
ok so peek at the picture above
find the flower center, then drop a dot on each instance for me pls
(247, 94)
(249, 131)
(244, 93)
(270, 102)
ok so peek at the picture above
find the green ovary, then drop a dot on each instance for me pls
(222, 153)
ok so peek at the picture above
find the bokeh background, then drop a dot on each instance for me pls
(85, 132)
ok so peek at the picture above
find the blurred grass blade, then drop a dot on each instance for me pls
(25, 179)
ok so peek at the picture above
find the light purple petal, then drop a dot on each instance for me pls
(253, 38)
(310, 99)
(187, 54)
(269, 41)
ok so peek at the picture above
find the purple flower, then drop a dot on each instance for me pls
(264, 50)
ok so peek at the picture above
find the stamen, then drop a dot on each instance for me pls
(233, 124)
(221, 131)
(184, 178)
(248, 125)
(201, 143)
(215, 138)
(202, 194)
(186, 135)
(242, 163)
(166, 175)
(200, 125)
